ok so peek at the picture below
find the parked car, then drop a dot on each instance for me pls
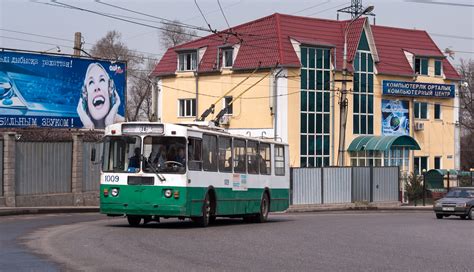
(458, 201)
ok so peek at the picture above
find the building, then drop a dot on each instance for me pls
(283, 74)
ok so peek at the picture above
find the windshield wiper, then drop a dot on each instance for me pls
(160, 176)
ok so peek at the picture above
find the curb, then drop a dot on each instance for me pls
(46, 210)
(358, 208)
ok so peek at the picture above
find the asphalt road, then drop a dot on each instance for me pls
(347, 241)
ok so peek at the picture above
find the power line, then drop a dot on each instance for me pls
(324, 10)
(164, 20)
(202, 14)
(62, 39)
(311, 7)
(452, 36)
(440, 3)
(223, 14)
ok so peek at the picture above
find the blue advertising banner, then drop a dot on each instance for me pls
(38, 90)
(395, 117)
(402, 88)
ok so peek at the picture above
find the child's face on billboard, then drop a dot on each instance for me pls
(97, 85)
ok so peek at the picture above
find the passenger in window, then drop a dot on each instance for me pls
(181, 156)
(262, 164)
(160, 158)
(134, 161)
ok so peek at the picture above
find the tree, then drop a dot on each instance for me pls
(138, 84)
(414, 187)
(466, 113)
(174, 34)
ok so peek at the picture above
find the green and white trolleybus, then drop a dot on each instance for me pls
(153, 170)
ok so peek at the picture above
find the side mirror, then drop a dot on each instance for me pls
(93, 154)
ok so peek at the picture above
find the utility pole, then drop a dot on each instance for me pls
(343, 100)
(77, 44)
(275, 103)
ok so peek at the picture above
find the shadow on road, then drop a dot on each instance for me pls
(188, 224)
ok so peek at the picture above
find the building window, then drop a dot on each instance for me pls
(437, 163)
(315, 106)
(187, 108)
(187, 61)
(421, 66)
(437, 111)
(421, 110)
(230, 108)
(420, 164)
(363, 92)
(228, 55)
(438, 67)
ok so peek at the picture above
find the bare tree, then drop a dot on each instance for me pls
(174, 34)
(138, 83)
(466, 95)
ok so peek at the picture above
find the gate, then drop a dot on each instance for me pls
(385, 184)
(91, 169)
(43, 168)
(361, 184)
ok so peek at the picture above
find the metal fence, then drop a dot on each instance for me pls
(337, 185)
(344, 185)
(305, 192)
(1, 168)
(43, 168)
(91, 169)
(361, 177)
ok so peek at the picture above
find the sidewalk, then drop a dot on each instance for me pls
(4, 211)
(392, 206)
(387, 206)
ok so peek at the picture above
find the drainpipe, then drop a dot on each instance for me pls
(333, 102)
(275, 103)
(196, 76)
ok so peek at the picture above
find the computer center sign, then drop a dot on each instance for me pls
(60, 91)
(417, 89)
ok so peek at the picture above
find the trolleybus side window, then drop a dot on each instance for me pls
(194, 154)
(265, 161)
(239, 156)
(252, 159)
(279, 160)
(209, 152)
(225, 154)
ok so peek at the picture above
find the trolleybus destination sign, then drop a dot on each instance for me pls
(405, 88)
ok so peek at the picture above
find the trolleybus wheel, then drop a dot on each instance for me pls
(203, 220)
(134, 220)
(262, 216)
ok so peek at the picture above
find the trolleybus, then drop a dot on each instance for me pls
(159, 170)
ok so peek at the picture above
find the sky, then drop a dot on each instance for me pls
(450, 23)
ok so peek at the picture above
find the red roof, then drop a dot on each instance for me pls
(267, 41)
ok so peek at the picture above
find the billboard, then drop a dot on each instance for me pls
(38, 90)
(417, 89)
(395, 117)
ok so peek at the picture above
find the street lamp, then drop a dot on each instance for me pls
(343, 100)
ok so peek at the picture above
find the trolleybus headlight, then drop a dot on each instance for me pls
(168, 193)
(114, 192)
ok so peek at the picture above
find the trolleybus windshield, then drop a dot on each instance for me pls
(165, 154)
(122, 154)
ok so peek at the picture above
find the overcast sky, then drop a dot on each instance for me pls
(451, 25)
